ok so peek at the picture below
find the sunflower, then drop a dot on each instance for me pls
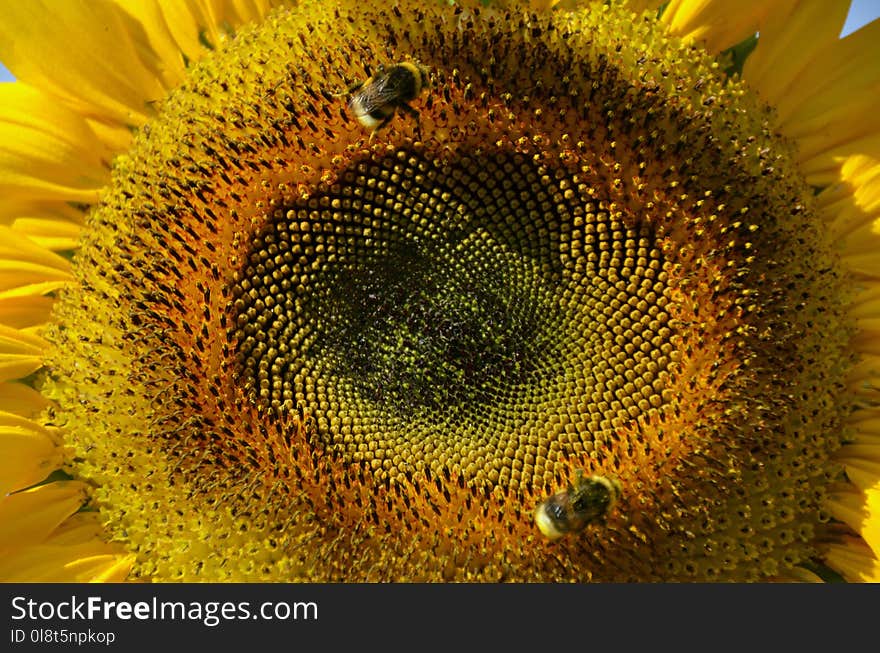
(587, 293)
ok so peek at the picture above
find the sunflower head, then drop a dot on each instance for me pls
(443, 293)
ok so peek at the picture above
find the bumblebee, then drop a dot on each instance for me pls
(588, 500)
(375, 100)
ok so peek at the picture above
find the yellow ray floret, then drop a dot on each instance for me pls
(19, 311)
(840, 116)
(177, 31)
(20, 353)
(129, 54)
(26, 269)
(862, 462)
(801, 575)
(29, 517)
(851, 207)
(791, 37)
(714, 24)
(110, 72)
(21, 400)
(860, 511)
(47, 151)
(54, 235)
(71, 553)
(28, 453)
(832, 109)
(854, 560)
(60, 211)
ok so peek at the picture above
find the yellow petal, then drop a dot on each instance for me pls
(27, 306)
(21, 400)
(854, 560)
(54, 235)
(715, 24)
(829, 106)
(834, 73)
(868, 432)
(115, 137)
(851, 209)
(24, 263)
(28, 453)
(84, 526)
(27, 311)
(867, 340)
(866, 304)
(171, 66)
(110, 71)
(28, 517)
(791, 35)
(10, 211)
(46, 150)
(864, 375)
(866, 420)
(33, 277)
(69, 564)
(176, 31)
(862, 462)
(73, 553)
(845, 218)
(801, 575)
(836, 132)
(131, 52)
(182, 32)
(860, 510)
(185, 24)
(115, 571)
(20, 353)
(822, 169)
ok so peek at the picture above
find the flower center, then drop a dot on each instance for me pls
(420, 308)
(588, 265)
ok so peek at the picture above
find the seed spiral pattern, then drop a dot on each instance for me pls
(412, 302)
(315, 356)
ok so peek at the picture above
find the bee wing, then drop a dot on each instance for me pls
(390, 93)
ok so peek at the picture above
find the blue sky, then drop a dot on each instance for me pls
(861, 12)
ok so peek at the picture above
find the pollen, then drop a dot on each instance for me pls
(298, 353)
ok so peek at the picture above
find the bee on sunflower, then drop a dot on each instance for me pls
(247, 337)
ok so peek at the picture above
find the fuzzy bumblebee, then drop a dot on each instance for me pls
(375, 100)
(587, 501)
